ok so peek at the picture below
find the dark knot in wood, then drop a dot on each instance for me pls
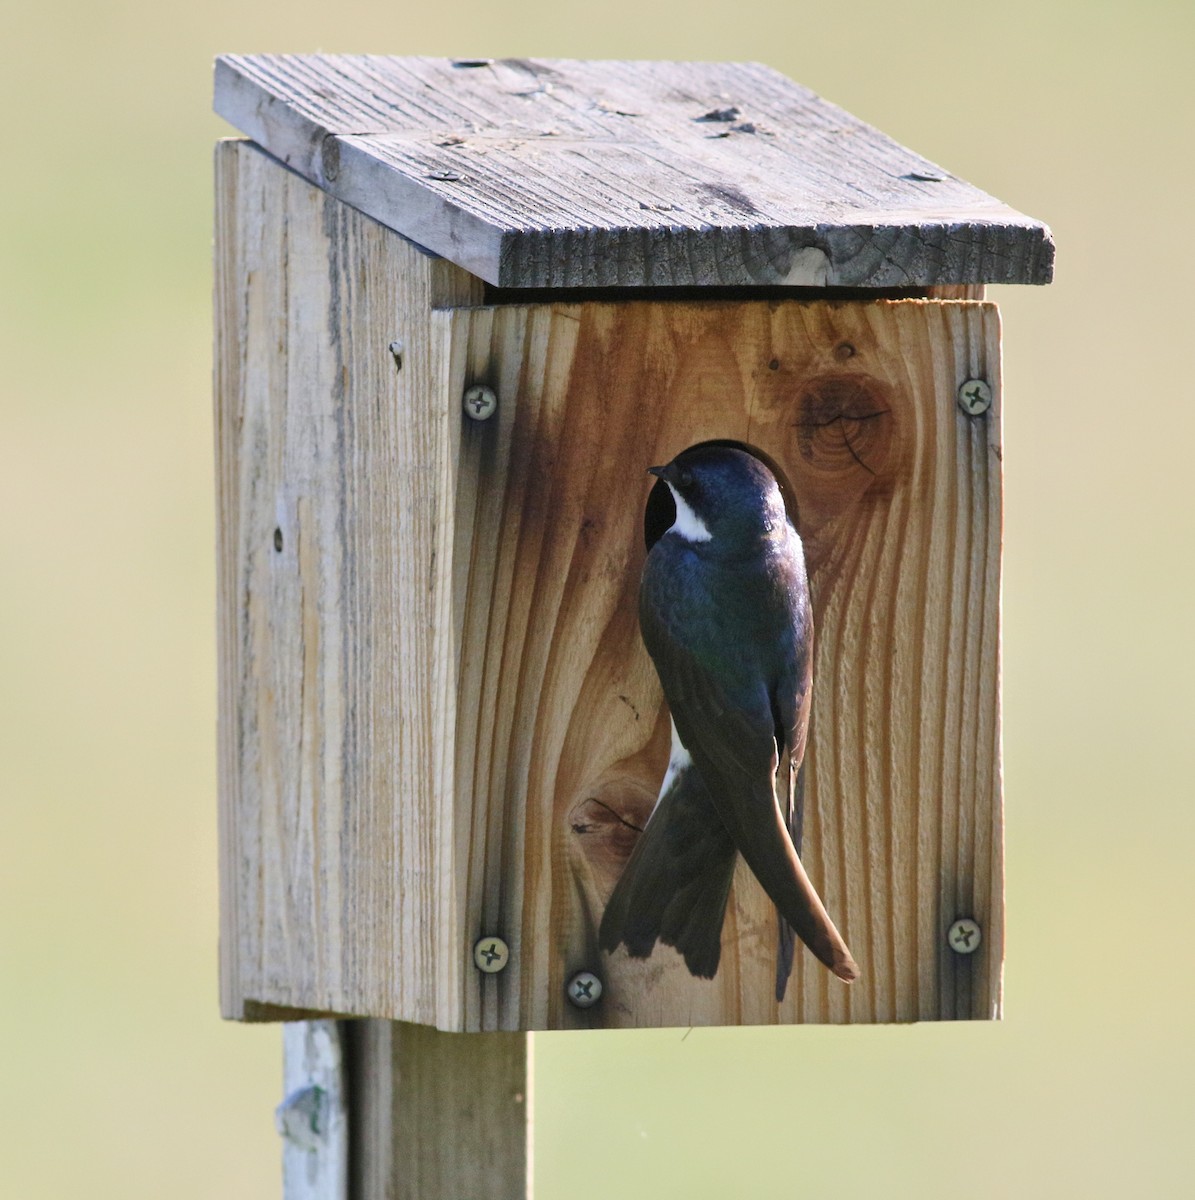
(608, 831)
(846, 426)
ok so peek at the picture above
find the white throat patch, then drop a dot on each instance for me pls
(688, 524)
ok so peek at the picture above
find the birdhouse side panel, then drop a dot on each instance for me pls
(334, 492)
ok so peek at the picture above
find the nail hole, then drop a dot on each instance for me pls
(278, 540)
(774, 365)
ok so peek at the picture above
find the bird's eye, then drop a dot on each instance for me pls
(684, 478)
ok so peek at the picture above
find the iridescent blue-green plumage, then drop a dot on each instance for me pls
(725, 615)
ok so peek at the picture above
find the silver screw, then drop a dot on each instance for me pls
(491, 954)
(480, 402)
(585, 989)
(975, 397)
(396, 349)
(964, 936)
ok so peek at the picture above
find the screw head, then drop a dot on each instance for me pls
(491, 954)
(964, 936)
(480, 402)
(975, 397)
(584, 989)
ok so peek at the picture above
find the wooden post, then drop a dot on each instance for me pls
(439, 1115)
(432, 1114)
(438, 723)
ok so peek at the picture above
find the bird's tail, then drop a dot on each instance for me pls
(676, 883)
(786, 944)
(761, 833)
(782, 874)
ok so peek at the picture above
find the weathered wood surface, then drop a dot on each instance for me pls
(336, 842)
(561, 173)
(439, 721)
(313, 1116)
(439, 1116)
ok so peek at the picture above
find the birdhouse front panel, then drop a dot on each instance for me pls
(562, 736)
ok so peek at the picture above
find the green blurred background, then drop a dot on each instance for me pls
(120, 1081)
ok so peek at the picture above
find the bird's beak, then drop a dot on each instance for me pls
(659, 472)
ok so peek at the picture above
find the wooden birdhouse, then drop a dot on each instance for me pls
(461, 308)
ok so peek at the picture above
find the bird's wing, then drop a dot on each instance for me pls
(729, 730)
(675, 886)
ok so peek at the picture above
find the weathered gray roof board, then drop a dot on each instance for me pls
(560, 173)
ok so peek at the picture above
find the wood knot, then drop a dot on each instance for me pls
(607, 825)
(846, 428)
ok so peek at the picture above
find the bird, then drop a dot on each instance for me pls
(725, 615)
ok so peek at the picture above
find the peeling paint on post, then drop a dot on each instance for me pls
(312, 1119)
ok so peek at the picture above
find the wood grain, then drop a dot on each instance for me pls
(331, 706)
(898, 500)
(438, 719)
(565, 173)
(439, 1115)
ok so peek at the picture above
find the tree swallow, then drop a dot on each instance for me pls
(724, 612)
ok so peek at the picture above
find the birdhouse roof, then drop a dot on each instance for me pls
(552, 173)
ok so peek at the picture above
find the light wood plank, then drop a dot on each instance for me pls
(898, 494)
(565, 173)
(439, 1116)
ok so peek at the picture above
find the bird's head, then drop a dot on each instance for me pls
(721, 491)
